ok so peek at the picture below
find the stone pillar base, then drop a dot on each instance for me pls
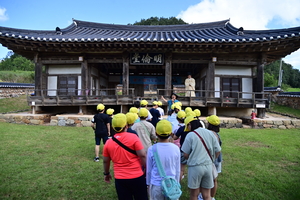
(212, 111)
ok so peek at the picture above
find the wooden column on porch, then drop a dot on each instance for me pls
(125, 78)
(84, 76)
(38, 75)
(210, 79)
(168, 74)
(261, 112)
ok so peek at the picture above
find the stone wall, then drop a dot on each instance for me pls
(85, 121)
(293, 102)
(12, 92)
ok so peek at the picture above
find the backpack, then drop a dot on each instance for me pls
(171, 188)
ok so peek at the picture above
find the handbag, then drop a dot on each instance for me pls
(214, 169)
(123, 145)
(171, 188)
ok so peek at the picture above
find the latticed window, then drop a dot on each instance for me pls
(231, 87)
(67, 85)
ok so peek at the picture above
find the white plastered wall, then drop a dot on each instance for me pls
(55, 70)
(247, 85)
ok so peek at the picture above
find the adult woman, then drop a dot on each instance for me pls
(173, 99)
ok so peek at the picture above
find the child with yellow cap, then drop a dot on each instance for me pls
(101, 125)
(214, 126)
(200, 157)
(129, 177)
(155, 113)
(169, 156)
(110, 113)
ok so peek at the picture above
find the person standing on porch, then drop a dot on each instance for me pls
(173, 99)
(189, 86)
(101, 125)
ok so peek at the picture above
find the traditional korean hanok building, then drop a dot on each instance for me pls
(89, 63)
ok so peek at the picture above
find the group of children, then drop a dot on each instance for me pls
(145, 128)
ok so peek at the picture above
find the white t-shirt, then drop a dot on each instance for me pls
(169, 155)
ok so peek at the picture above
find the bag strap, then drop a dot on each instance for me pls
(203, 144)
(145, 128)
(161, 170)
(124, 146)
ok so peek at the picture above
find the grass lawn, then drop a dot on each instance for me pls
(45, 162)
(285, 110)
(14, 104)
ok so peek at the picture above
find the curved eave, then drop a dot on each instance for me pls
(214, 32)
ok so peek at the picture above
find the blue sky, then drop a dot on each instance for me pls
(250, 14)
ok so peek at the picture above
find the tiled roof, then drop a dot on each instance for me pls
(272, 89)
(16, 85)
(214, 32)
(289, 94)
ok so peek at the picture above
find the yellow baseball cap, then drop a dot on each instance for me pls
(100, 106)
(174, 105)
(143, 112)
(119, 121)
(181, 115)
(164, 128)
(133, 110)
(213, 119)
(131, 117)
(178, 103)
(144, 103)
(159, 103)
(187, 121)
(110, 111)
(191, 113)
(188, 109)
(155, 103)
(197, 112)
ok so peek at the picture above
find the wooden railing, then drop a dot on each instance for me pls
(203, 98)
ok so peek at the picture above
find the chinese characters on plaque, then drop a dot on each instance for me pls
(146, 58)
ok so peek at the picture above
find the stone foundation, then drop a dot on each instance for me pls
(12, 92)
(85, 121)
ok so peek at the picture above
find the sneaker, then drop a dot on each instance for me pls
(200, 197)
(96, 159)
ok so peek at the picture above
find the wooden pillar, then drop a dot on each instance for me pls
(38, 75)
(168, 74)
(210, 85)
(260, 84)
(210, 79)
(125, 78)
(84, 76)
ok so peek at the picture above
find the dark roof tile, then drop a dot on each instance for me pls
(214, 32)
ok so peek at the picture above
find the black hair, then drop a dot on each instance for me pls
(143, 117)
(195, 124)
(213, 128)
(119, 129)
(180, 120)
(136, 104)
(174, 95)
(162, 137)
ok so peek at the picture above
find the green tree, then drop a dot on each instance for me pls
(13, 62)
(290, 76)
(270, 81)
(160, 21)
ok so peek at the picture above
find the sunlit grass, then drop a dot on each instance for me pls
(45, 162)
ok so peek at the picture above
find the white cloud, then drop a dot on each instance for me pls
(293, 59)
(3, 15)
(249, 14)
